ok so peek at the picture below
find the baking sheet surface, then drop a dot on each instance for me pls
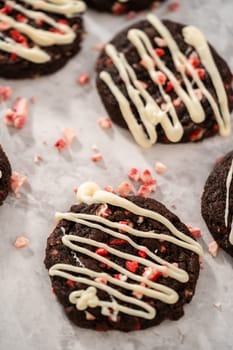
(30, 317)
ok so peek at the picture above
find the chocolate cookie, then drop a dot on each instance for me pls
(5, 175)
(217, 203)
(38, 37)
(125, 264)
(121, 6)
(165, 83)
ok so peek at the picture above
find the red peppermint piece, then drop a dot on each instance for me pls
(201, 73)
(6, 9)
(160, 52)
(151, 274)
(169, 87)
(16, 116)
(131, 15)
(160, 168)
(177, 102)
(63, 21)
(174, 6)
(146, 175)
(144, 191)
(16, 183)
(196, 135)
(21, 242)
(142, 254)
(101, 251)
(21, 18)
(125, 188)
(70, 283)
(134, 174)
(96, 158)
(118, 9)
(4, 26)
(5, 93)
(117, 242)
(61, 144)
(194, 60)
(160, 78)
(105, 123)
(83, 79)
(132, 266)
(18, 37)
(195, 231)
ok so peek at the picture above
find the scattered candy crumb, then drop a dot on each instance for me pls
(21, 242)
(134, 174)
(83, 79)
(69, 135)
(96, 158)
(173, 6)
(17, 115)
(5, 93)
(17, 182)
(195, 231)
(109, 189)
(125, 188)
(213, 248)
(160, 168)
(105, 123)
(38, 158)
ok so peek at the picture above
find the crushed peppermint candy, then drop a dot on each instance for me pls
(89, 316)
(16, 183)
(21, 242)
(38, 158)
(17, 115)
(83, 79)
(173, 6)
(213, 248)
(105, 123)
(195, 231)
(109, 189)
(125, 188)
(160, 168)
(5, 93)
(66, 141)
(96, 158)
(145, 175)
(134, 174)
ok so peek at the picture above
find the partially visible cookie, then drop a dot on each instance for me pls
(125, 264)
(217, 203)
(121, 6)
(38, 37)
(5, 175)
(165, 83)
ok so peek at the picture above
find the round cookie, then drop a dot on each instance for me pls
(5, 175)
(121, 6)
(163, 81)
(217, 203)
(117, 263)
(38, 37)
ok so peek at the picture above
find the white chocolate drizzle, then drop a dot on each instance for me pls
(91, 193)
(228, 185)
(149, 111)
(39, 37)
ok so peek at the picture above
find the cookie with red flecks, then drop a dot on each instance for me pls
(217, 203)
(121, 6)
(38, 37)
(121, 263)
(5, 175)
(165, 83)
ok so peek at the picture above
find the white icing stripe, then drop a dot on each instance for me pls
(64, 7)
(149, 111)
(90, 193)
(228, 185)
(38, 36)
